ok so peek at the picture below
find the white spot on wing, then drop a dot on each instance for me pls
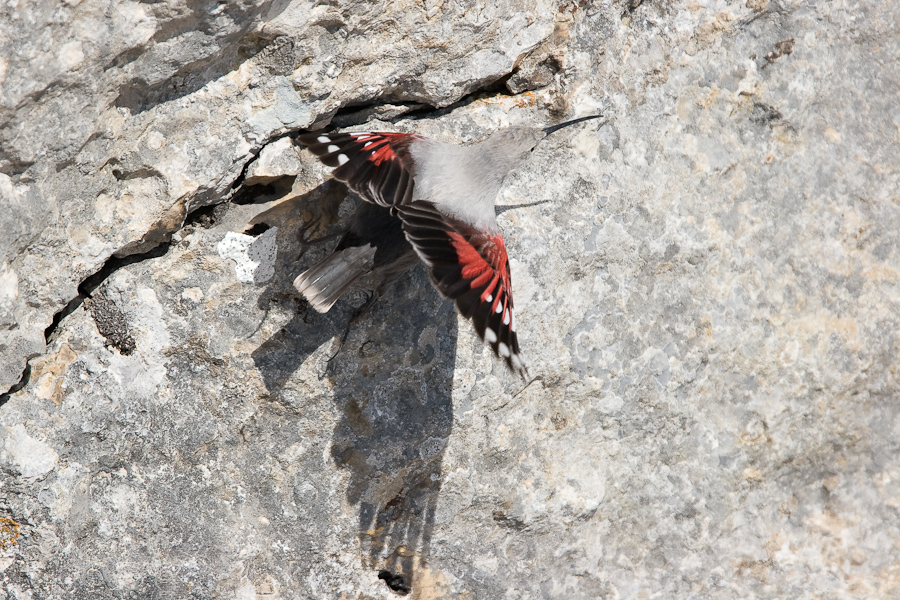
(489, 335)
(324, 139)
(489, 298)
(342, 159)
(503, 350)
(506, 318)
(499, 308)
(333, 148)
(367, 144)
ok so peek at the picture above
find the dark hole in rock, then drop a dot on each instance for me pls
(206, 216)
(260, 193)
(257, 229)
(394, 581)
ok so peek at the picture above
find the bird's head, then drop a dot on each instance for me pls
(512, 145)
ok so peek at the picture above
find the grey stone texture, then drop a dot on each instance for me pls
(707, 286)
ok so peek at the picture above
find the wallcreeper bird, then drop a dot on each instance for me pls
(439, 198)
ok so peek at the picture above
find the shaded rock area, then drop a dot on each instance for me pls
(707, 284)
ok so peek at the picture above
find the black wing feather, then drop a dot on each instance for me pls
(377, 166)
(470, 267)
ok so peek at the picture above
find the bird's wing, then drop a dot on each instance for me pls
(470, 267)
(377, 166)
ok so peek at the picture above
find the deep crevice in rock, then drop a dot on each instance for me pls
(204, 216)
(489, 90)
(85, 289)
(393, 111)
(254, 155)
(386, 109)
(87, 286)
(357, 114)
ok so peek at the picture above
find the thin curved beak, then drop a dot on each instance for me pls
(551, 129)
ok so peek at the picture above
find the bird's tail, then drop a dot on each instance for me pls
(324, 283)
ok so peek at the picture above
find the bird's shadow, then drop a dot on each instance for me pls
(392, 382)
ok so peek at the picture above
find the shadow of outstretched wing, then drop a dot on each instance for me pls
(392, 382)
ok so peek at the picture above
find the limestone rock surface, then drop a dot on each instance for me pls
(707, 285)
(117, 119)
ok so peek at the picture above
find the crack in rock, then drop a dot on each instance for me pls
(110, 321)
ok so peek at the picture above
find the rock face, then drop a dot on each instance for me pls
(707, 286)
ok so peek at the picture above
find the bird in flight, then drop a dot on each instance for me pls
(431, 201)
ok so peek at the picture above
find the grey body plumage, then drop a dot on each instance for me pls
(465, 180)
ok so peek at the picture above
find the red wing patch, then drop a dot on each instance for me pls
(470, 267)
(377, 166)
